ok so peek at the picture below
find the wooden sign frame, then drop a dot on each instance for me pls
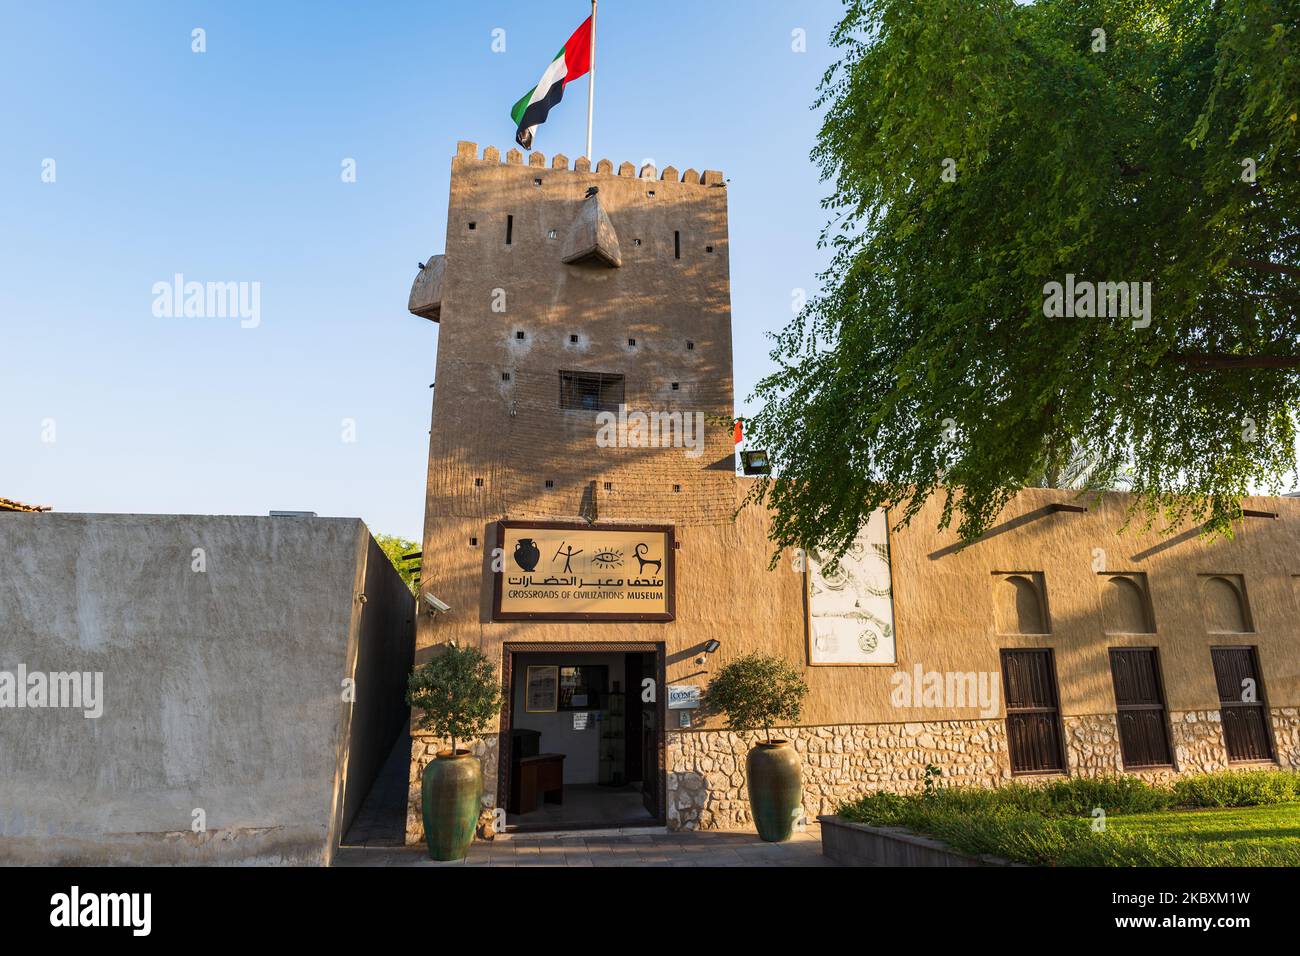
(669, 574)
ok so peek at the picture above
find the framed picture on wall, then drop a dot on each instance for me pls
(542, 689)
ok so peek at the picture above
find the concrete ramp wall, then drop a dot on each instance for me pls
(222, 645)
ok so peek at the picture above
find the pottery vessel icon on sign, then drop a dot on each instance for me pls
(527, 554)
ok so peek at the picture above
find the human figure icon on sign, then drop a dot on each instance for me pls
(569, 555)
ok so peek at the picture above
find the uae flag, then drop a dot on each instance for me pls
(573, 60)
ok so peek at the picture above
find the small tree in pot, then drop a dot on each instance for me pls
(457, 695)
(756, 692)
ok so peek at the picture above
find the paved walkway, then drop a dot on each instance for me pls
(381, 821)
(611, 848)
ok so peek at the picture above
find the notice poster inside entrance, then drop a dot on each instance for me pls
(577, 572)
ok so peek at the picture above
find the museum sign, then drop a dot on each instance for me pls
(565, 571)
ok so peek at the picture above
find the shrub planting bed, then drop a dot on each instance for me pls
(1223, 819)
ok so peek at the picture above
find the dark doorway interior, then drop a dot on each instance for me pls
(581, 747)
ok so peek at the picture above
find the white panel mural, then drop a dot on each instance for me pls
(851, 610)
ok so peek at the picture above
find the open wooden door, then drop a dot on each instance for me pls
(649, 760)
(652, 733)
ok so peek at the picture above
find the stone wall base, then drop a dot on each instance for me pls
(706, 783)
(706, 769)
(1286, 736)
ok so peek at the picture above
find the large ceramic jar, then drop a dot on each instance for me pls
(451, 794)
(775, 788)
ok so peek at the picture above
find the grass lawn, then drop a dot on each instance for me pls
(1268, 835)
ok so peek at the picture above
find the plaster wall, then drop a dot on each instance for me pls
(222, 688)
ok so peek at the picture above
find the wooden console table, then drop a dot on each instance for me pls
(540, 776)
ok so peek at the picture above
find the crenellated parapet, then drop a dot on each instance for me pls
(469, 152)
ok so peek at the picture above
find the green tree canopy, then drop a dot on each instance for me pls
(394, 547)
(978, 151)
(456, 693)
(756, 691)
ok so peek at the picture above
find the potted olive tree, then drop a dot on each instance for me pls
(457, 695)
(755, 692)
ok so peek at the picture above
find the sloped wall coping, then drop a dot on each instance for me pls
(859, 844)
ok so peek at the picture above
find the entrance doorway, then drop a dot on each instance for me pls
(582, 736)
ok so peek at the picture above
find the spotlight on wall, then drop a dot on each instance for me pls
(709, 648)
(435, 606)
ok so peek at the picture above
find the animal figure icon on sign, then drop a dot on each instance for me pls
(643, 549)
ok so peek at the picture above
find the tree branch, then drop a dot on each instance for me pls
(1265, 266)
(1207, 361)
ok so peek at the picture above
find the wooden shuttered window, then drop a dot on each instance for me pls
(1140, 707)
(1033, 711)
(1242, 708)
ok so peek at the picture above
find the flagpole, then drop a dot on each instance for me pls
(591, 80)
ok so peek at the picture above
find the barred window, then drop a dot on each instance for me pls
(591, 391)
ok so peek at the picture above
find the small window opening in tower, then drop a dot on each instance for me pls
(510, 229)
(708, 248)
(690, 346)
(677, 244)
(632, 342)
(537, 181)
(591, 391)
(609, 486)
(573, 339)
(650, 193)
(505, 376)
(473, 542)
(677, 386)
(552, 234)
(478, 482)
(519, 334)
(550, 483)
(473, 225)
(636, 242)
(677, 489)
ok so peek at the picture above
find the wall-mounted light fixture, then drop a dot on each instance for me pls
(710, 647)
(755, 463)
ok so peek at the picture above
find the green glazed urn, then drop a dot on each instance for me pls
(775, 788)
(451, 795)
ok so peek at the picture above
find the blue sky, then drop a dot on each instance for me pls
(225, 166)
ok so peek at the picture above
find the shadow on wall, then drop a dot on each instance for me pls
(385, 655)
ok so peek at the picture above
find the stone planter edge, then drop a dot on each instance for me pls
(860, 844)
